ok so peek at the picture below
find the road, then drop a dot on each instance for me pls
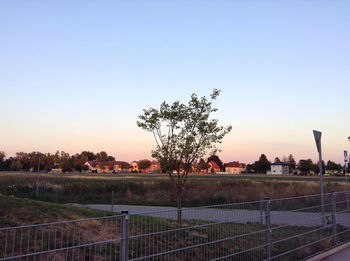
(307, 219)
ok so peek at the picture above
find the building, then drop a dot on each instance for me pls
(214, 167)
(56, 169)
(279, 168)
(234, 167)
(92, 165)
(105, 166)
(155, 166)
(134, 166)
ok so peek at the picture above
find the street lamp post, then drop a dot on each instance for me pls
(317, 135)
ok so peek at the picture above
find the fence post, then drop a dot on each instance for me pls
(334, 221)
(347, 192)
(268, 228)
(124, 243)
(112, 206)
(261, 209)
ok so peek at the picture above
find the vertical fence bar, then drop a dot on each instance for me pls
(261, 209)
(334, 221)
(124, 253)
(268, 228)
(112, 206)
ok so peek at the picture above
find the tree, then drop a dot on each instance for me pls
(110, 158)
(183, 134)
(332, 166)
(217, 160)
(202, 165)
(262, 165)
(250, 168)
(316, 168)
(144, 164)
(277, 159)
(34, 160)
(2, 160)
(78, 160)
(102, 156)
(16, 165)
(291, 162)
(2, 156)
(24, 159)
(48, 161)
(88, 154)
(65, 162)
(124, 165)
(306, 166)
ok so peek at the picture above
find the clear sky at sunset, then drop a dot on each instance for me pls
(74, 75)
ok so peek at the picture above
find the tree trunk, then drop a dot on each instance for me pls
(179, 205)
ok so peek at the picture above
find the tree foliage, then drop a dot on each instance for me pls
(217, 160)
(183, 133)
(262, 165)
(2, 156)
(23, 161)
(291, 162)
(277, 159)
(144, 164)
(332, 166)
(102, 156)
(203, 165)
(306, 166)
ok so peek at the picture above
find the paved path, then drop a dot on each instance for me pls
(339, 256)
(308, 219)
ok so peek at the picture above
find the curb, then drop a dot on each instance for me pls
(329, 253)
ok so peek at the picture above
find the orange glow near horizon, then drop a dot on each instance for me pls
(138, 145)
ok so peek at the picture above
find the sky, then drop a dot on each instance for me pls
(75, 75)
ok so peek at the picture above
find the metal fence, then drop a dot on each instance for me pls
(269, 229)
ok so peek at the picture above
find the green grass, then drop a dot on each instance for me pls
(18, 211)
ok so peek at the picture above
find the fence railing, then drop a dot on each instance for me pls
(269, 229)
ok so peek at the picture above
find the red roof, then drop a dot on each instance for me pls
(214, 165)
(234, 164)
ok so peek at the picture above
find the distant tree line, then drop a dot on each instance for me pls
(23, 161)
(305, 167)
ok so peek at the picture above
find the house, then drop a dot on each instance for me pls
(279, 168)
(134, 167)
(122, 166)
(155, 166)
(56, 169)
(105, 166)
(214, 167)
(234, 167)
(92, 165)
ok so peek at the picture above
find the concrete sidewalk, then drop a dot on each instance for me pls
(340, 253)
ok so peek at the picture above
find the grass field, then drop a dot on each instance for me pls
(18, 211)
(157, 189)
